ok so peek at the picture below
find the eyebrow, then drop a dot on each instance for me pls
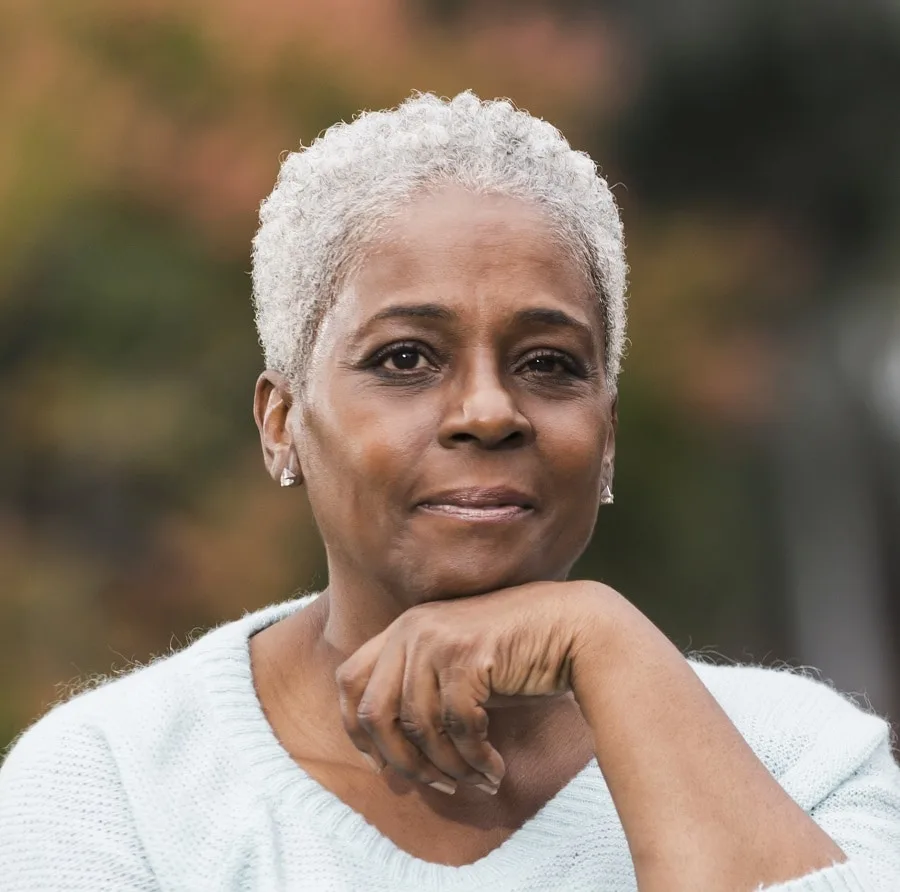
(556, 318)
(534, 315)
(412, 311)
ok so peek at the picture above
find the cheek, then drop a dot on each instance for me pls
(359, 450)
(571, 446)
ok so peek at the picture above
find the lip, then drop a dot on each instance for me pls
(483, 514)
(479, 497)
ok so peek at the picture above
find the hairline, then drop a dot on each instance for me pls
(352, 252)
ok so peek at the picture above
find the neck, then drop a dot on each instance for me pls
(354, 612)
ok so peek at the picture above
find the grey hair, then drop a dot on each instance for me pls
(331, 198)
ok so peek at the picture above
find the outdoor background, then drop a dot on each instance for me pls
(755, 150)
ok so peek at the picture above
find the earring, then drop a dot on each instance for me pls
(606, 497)
(288, 478)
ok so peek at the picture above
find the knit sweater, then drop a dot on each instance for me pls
(171, 778)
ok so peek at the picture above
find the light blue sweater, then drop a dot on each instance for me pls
(170, 778)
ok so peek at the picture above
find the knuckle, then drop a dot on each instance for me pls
(418, 730)
(479, 723)
(455, 723)
(373, 716)
(409, 771)
(414, 730)
(350, 721)
(469, 723)
(409, 762)
(346, 681)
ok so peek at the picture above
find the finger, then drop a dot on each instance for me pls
(378, 715)
(352, 679)
(465, 721)
(421, 725)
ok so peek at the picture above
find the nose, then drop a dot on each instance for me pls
(483, 411)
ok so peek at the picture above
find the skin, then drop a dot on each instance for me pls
(452, 655)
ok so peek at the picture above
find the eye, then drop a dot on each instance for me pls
(402, 358)
(543, 364)
(552, 363)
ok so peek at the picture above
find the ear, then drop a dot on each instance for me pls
(609, 449)
(272, 401)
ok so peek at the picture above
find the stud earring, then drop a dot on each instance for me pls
(606, 497)
(288, 478)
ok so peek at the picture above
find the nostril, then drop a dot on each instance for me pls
(511, 441)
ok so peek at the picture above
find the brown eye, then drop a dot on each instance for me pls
(551, 364)
(546, 364)
(404, 359)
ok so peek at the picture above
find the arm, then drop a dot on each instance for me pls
(699, 810)
(65, 822)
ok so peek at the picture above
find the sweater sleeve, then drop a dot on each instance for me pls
(65, 821)
(862, 815)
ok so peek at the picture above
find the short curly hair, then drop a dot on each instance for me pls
(331, 198)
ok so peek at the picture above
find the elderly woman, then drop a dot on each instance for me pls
(440, 296)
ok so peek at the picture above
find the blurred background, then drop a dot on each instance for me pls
(755, 150)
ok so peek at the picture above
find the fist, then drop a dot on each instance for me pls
(416, 696)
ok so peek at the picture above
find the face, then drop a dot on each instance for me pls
(456, 429)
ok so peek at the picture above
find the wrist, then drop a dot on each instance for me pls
(597, 624)
(612, 641)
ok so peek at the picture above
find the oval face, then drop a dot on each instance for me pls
(457, 429)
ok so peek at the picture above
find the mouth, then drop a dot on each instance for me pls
(485, 504)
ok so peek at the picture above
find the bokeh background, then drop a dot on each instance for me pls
(755, 150)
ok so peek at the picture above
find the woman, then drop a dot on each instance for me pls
(440, 297)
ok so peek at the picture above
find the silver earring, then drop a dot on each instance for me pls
(606, 497)
(288, 478)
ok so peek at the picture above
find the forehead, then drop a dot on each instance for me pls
(490, 254)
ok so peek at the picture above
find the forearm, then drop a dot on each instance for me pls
(699, 810)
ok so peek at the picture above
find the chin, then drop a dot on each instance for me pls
(464, 578)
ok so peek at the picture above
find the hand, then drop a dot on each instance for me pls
(415, 696)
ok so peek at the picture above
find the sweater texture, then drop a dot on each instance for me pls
(170, 778)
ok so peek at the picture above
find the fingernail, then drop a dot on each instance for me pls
(494, 780)
(491, 791)
(370, 760)
(449, 789)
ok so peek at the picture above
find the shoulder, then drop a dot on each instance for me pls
(761, 697)
(82, 791)
(807, 733)
(65, 815)
(99, 730)
(149, 708)
(143, 700)
(830, 753)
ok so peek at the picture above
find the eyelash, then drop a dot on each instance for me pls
(392, 350)
(569, 363)
(572, 367)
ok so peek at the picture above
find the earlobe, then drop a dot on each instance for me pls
(607, 475)
(609, 454)
(606, 494)
(289, 478)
